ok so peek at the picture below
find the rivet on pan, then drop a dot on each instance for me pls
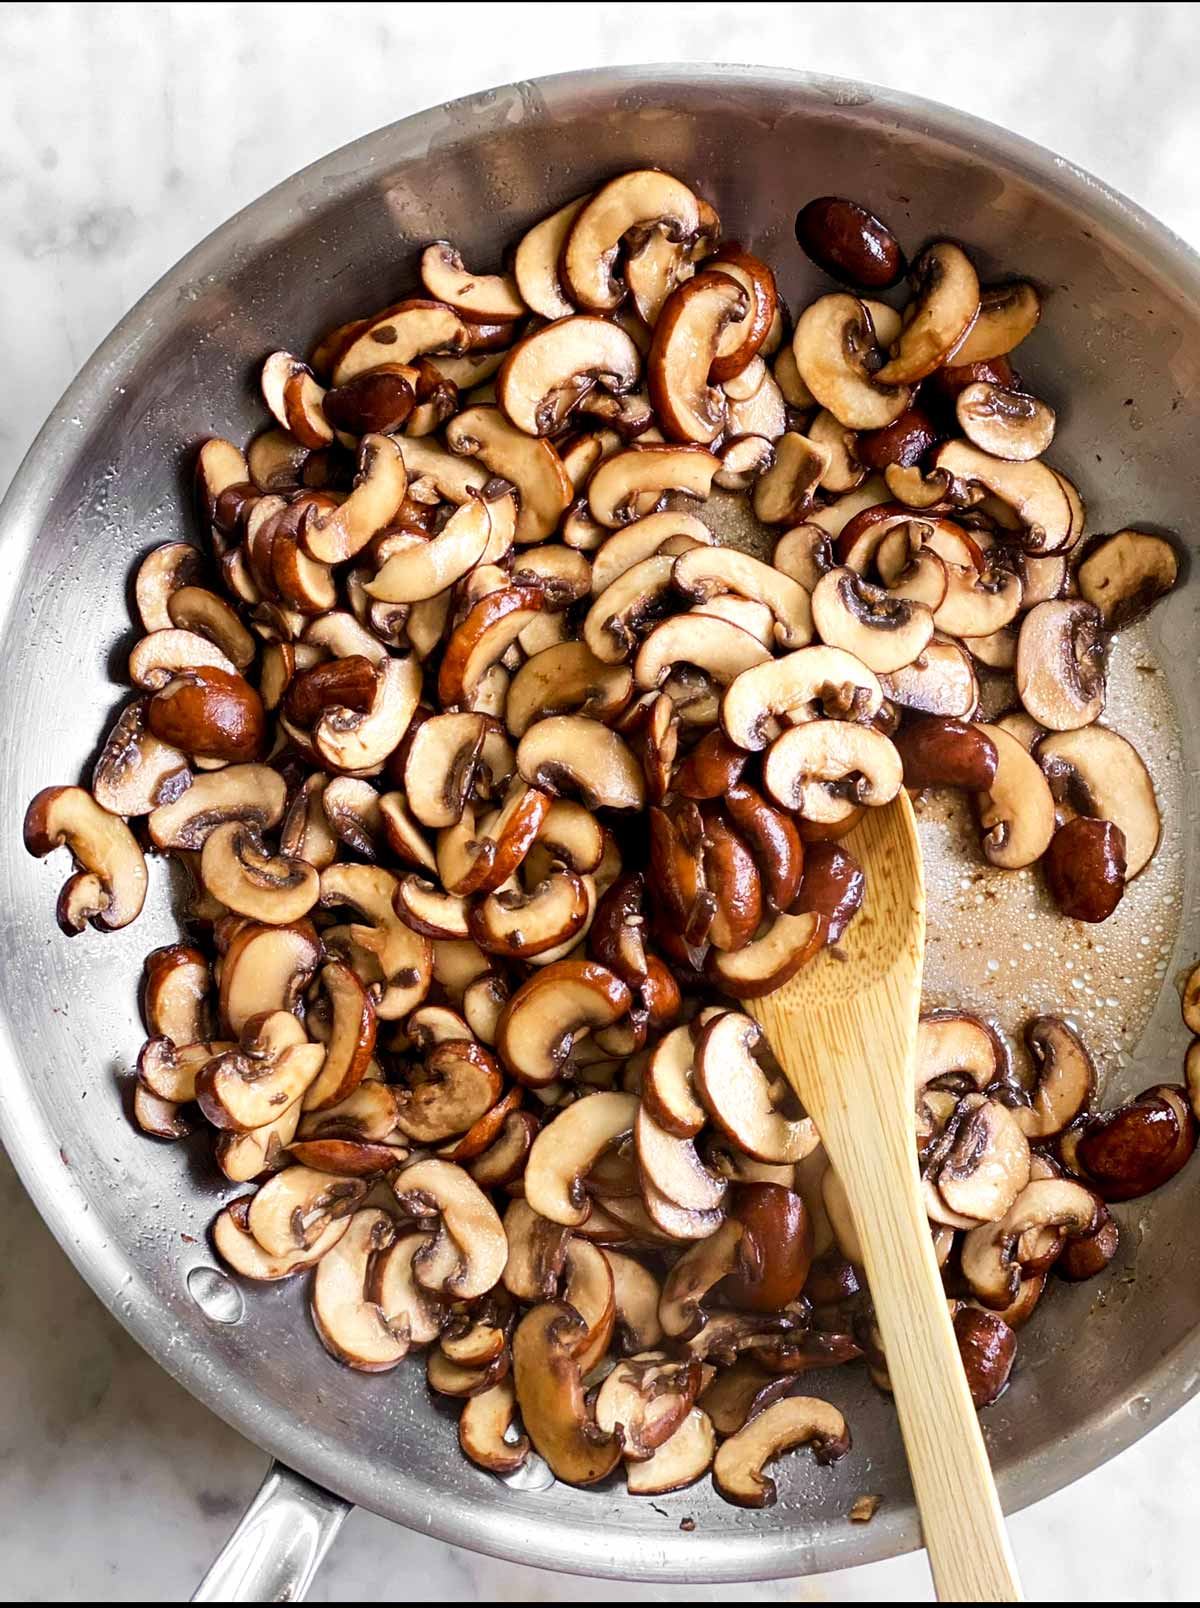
(217, 1296)
(533, 1475)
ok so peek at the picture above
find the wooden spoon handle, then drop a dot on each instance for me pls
(963, 1525)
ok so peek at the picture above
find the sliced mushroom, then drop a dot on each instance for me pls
(236, 869)
(1098, 773)
(567, 1148)
(717, 647)
(824, 768)
(482, 638)
(1007, 314)
(483, 1428)
(458, 1083)
(479, 298)
(379, 489)
(944, 306)
(360, 741)
(671, 1167)
(789, 943)
(136, 771)
(1007, 424)
(352, 1326)
(538, 1027)
(805, 553)
(1126, 574)
(293, 1210)
(579, 754)
(989, 1251)
(240, 1250)
(566, 678)
(737, 1092)
(636, 597)
(798, 688)
(535, 261)
(1140, 1146)
(1084, 868)
(163, 655)
(784, 493)
(1016, 813)
(630, 205)
(351, 1041)
(833, 347)
(549, 372)
(398, 334)
(686, 340)
(798, 1421)
(1060, 664)
(882, 630)
(984, 1166)
(427, 568)
(940, 681)
(109, 888)
(634, 484)
(549, 1388)
(1034, 492)
(467, 1256)
(543, 486)
(403, 958)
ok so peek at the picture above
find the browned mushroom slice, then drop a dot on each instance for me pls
(479, 298)
(635, 1297)
(824, 768)
(479, 1249)
(1008, 424)
(209, 713)
(403, 957)
(1066, 1078)
(645, 1399)
(351, 1041)
(882, 630)
(440, 767)
(798, 688)
(739, 1393)
(686, 340)
(166, 570)
(1060, 664)
(379, 489)
(109, 888)
(1007, 314)
(1016, 813)
(537, 1250)
(549, 1389)
(578, 754)
(427, 568)
(634, 598)
(352, 1327)
(295, 399)
(1096, 772)
(567, 1148)
(1126, 574)
(365, 1116)
(391, 1284)
(240, 1250)
(427, 909)
(849, 242)
(940, 681)
(519, 923)
(566, 678)
(944, 306)
(671, 1167)
(628, 206)
(236, 869)
(767, 963)
(266, 969)
(737, 1092)
(804, 554)
(543, 486)
(982, 1168)
(276, 461)
(400, 333)
(220, 468)
(668, 532)
(833, 347)
(717, 647)
(988, 1252)
(844, 471)
(550, 371)
(535, 262)
(136, 771)
(798, 1421)
(744, 337)
(163, 655)
(360, 741)
(293, 1210)
(169, 1070)
(784, 491)
(667, 1091)
(633, 484)
(482, 638)
(457, 1084)
(175, 994)
(539, 1025)
(483, 1428)
(1035, 493)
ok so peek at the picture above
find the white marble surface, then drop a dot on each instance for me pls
(126, 133)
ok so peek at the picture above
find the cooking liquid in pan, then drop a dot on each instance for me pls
(995, 943)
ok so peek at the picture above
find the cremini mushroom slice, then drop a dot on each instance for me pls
(1007, 424)
(686, 340)
(457, 1084)
(743, 338)
(784, 493)
(483, 1428)
(293, 1210)
(645, 1400)
(109, 886)
(620, 614)
(379, 489)
(359, 741)
(163, 655)
(881, 629)
(1060, 664)
(833, 346)
(517, 923)
(1066, 1078)
(166, 570)
(540, 1024)
(771, 959)
(1125, 575)
(549, 1388)
(1034, 492)
(941, 680)
(549, 372)
(440, 767)
(577, 754)
(175, 992)
(737, 1092)
(295, 399)
(567, 678)
(136, 771)
(1096, 772)
(797, 688)
(238, 870)
(804, 553)
(351, 1041)
(984, 1166)
(667, 1088)
(567, 1148)
(1016, 814)
(352, 1326)
(989, 1252)
(482, 638)
(404, 957)
(944, 306)
(535, 262)
(825, 767)
(265, 969)
(544, 489)
(634, 483)
(429, 910)
(407, 1309)
(635, 1297)
(717, 647)
(1138, 1147)
(400, 333)
(671, 1167)
(439, 1190)
(630, 205)
(169, 1070)
(1007, 314)
(195, 608)
(240, 1250)
(427, 568)
(797, 1421)
(478, 298)
(276, 461)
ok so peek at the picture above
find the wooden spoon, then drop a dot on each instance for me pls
(844, 1031)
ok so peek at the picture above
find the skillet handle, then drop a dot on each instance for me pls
(279, 1543)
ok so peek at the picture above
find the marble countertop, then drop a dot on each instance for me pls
(126, 133)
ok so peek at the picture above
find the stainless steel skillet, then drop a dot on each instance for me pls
(1118, 354)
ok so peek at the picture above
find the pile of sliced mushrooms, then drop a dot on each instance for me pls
(501, 781)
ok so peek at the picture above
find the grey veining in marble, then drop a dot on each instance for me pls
(126, 133)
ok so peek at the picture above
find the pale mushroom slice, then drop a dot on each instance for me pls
(441, 1191)
(158, 658)
(440, 767)
(109, 886)
(667, 1086)
(544, 489)
(944, 306)
(351, 1326)
(1125, 574)
(402, 332)
(1007, 423)
(549, 372)
(266, 969)
(678, 1462)
(802, 686)
(478, 298)
(636, 1296)
(671, 1167)
(797, 1421)
(239, 1249)
(242, 1157)
(738, 1094)
(349, 1046)
(237, 869)
(683, 352)
(645, 1399)
(407, 1308)
(566, 1150)
(1016, 813)
(989, 1252)
(293, 1210)
(136, 771)
(1033, 490)
(483, 1430)
(403, 958)
(620, 614)
(941, 680)
(549, 1389)
(378, 492)
(833, 346)
(427, 568)
(168, 1070)
(1007, 314)
(578, 754)
(254, 794)
(174, 565)
(294, 399)
(980, 1167)
(451, 476)
(1095, 771)
(535, 262)
(629, 205)
(881, 629)
(669, 532)
(717, 647)
(521, 924)
(825, 768)
(175, 994)
(634, 483)
(1060, 664)
(359, 741)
